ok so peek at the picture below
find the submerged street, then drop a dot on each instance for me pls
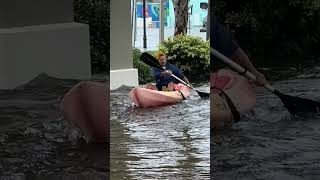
(269, 143)
(160, 142)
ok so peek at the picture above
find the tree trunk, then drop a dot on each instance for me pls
(181, 16)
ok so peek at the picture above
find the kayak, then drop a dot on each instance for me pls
(85, 107)
(144, 97)
(231, 95)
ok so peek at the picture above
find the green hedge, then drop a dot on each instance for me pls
(190, 54)
(144, 71)
(95, 13)
(273, 32)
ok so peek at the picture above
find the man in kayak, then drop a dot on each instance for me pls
(225, 108)
(163, 77)
(224, 42)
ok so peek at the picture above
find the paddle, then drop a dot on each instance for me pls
(153, 62)
(295, 105)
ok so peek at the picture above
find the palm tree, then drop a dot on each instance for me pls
(181, 8)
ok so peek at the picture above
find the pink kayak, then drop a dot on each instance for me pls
(237, 88)
(147, 98)
(85, 106)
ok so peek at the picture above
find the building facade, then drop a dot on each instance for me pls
(121, 60)
(39, 36)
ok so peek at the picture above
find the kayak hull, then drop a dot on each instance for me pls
(238, 89)
(149, 98)
(85, 106)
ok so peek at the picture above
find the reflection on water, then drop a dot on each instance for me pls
(160, 142)
(269, 143)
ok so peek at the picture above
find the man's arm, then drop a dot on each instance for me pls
(186, 79)
(180, 74)
(156, 73)
(240, 57)
(166, 73)
(224, 42)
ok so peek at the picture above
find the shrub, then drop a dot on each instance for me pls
(273, 32)
(144, 71)
(190, 54)
(95, 13)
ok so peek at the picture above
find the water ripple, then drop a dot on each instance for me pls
(160, 142)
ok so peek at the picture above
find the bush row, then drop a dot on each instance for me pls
(189, 53)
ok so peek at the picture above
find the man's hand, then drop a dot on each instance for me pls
(166, 73)
(240, 57)
(186, 80)
(260, 79)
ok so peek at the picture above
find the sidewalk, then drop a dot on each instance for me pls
(153, 36)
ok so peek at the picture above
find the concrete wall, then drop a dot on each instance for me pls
(3, 64)
(121, 60)
(120, 35)
(60, 50)
(15, 13)
(39, 36)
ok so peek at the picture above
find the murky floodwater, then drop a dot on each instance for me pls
(36, 143)
(169, 142)
(160, 142)
(268, 143)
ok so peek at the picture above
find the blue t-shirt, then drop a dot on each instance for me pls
(221, 39)
(165, 80)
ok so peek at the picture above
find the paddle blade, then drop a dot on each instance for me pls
(297, 105)
(149, 60)
(203, 94)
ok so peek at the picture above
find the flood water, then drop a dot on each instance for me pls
(268, 143)
(168, 142)
(36, 142)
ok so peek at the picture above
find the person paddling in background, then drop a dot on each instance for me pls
(223, 41)
(163, 77)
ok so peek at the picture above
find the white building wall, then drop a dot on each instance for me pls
(121, 60)
(35, 39)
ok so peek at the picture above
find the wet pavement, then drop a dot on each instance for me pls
(167, 142)
(268, 143)
(37, 143)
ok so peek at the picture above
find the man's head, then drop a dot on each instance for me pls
(162, 58)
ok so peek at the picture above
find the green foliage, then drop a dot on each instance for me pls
(144, 71)
(95, 13)
(190, 54)
(273, 30)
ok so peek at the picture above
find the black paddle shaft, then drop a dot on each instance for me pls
(153, 62)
